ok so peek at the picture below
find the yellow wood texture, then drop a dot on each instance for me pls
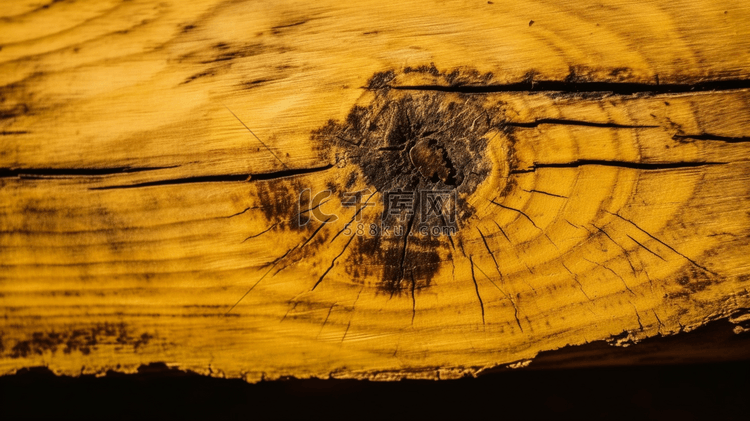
(139, 222)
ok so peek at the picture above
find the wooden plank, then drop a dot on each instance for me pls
(157, 159)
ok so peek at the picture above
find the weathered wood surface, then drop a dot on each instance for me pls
(599, 154)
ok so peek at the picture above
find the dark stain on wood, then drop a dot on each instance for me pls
(413, 144)
(83, 340)
(414, 141)
(432, 162)
(13, 111)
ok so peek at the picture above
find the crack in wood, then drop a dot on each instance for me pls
(707, 136)
(476, 288)
(294, 172)
(621, 164)
(693, 262)
(74, 172)
(573, 87)
(562, 122)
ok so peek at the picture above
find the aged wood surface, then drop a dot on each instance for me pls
(154, 155)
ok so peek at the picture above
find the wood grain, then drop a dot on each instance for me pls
(153, 156)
